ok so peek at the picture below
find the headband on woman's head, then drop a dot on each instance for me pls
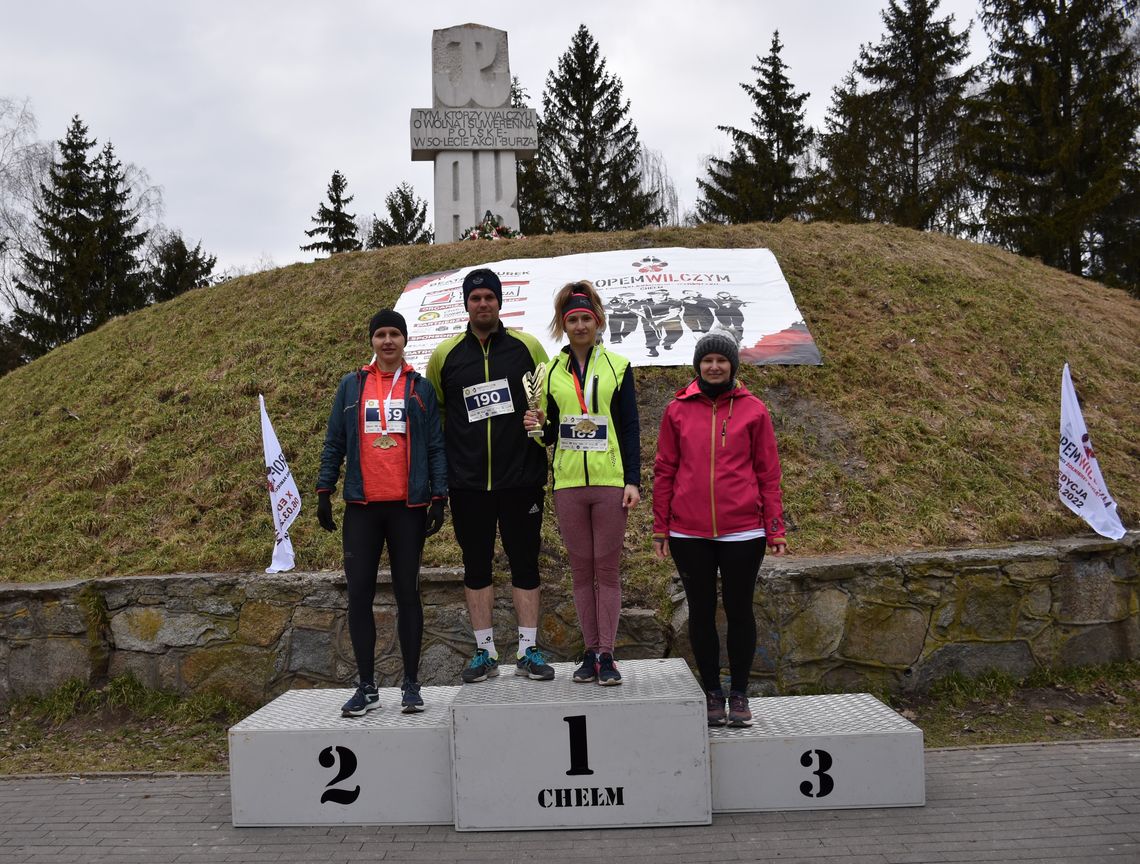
(579, 303)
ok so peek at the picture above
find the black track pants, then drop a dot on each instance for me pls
(367, 527)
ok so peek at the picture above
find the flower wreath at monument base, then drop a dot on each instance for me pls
(491, 228)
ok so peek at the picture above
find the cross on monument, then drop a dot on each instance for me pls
(471, 131)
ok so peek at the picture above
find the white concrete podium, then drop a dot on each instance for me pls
(510, 753)
(818, 753)
(296, 761)
(555, 754)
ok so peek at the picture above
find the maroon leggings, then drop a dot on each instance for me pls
(592, 523)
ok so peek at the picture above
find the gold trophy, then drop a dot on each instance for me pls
(532, 385)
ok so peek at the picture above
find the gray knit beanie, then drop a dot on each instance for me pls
(718, 341)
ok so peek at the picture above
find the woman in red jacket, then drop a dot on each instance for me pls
(716, 503)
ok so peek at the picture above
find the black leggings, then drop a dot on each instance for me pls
(366, 528)
(739, 561)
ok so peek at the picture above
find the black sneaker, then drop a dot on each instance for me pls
(738, 712)
(481, 667)
(534, 666)
(412, 701)
(714, 700)
(608, 675)
(363, 700)
(588, 671)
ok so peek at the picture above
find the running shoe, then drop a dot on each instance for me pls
(413, 703)
(608, 675)
(481, 667)
(588, 671)
(714, 700)
(738, 713)
(363, 700)
(534, 666)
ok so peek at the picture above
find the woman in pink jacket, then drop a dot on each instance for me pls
(716, 504)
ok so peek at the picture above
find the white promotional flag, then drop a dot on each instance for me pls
(1079, 482)
(284, 498)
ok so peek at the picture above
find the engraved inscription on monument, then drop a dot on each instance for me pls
(474, 129)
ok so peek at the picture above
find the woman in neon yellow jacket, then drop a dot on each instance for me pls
(591, 419)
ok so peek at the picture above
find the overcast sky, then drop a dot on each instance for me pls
(240, 111)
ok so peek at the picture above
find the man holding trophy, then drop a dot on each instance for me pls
(496, 472)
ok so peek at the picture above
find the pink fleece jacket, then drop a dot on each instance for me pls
(717, 471)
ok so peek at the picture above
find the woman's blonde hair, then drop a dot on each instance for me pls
(583, 286)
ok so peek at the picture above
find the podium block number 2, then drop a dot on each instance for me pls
(347, 769)
(579, 748)
(826, 783)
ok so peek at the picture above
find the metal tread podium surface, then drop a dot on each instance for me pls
(296, 761)
(582, 755)
(832, 751)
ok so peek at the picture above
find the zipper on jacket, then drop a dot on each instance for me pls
(724, 425)
(487, 377)
(712, 471)
(408, 439)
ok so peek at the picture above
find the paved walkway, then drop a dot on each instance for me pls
(1076, 802)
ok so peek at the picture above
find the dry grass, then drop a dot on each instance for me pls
(136, 449)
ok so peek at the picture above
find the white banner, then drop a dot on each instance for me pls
(659, 302)
(1079, 481)
(284, 497)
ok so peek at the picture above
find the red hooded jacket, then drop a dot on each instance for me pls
(717, 471)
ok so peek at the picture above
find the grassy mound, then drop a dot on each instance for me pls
(136, 449)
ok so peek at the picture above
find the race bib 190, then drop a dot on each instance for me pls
(583, 432)
(488, 399)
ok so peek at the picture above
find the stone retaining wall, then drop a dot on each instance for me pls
(893, 623)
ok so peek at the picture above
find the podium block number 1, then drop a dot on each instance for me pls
(579, 748)
(347, 769)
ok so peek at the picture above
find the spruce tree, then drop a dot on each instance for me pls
(176, 268)
(764, 178)
(849, 189)
(335, 224)
(588, 147)
(406, 223)
(60, 276)
(13, 348)
(533, 202)
(1055, 132)
(920, 95)
(120, 284)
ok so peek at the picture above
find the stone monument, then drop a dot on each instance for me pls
(471, 131)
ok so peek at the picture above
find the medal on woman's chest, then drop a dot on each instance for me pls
(585, 426)
(386, 440)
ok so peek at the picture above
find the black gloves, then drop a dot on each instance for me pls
(325, 516)
(324, 511)
(434, 517)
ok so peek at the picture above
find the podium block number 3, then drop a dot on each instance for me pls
(826, 784)
(579, 748)
(347, 769)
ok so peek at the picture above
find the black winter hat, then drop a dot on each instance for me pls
(482, 278)
(388, 318)
(718, 341)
